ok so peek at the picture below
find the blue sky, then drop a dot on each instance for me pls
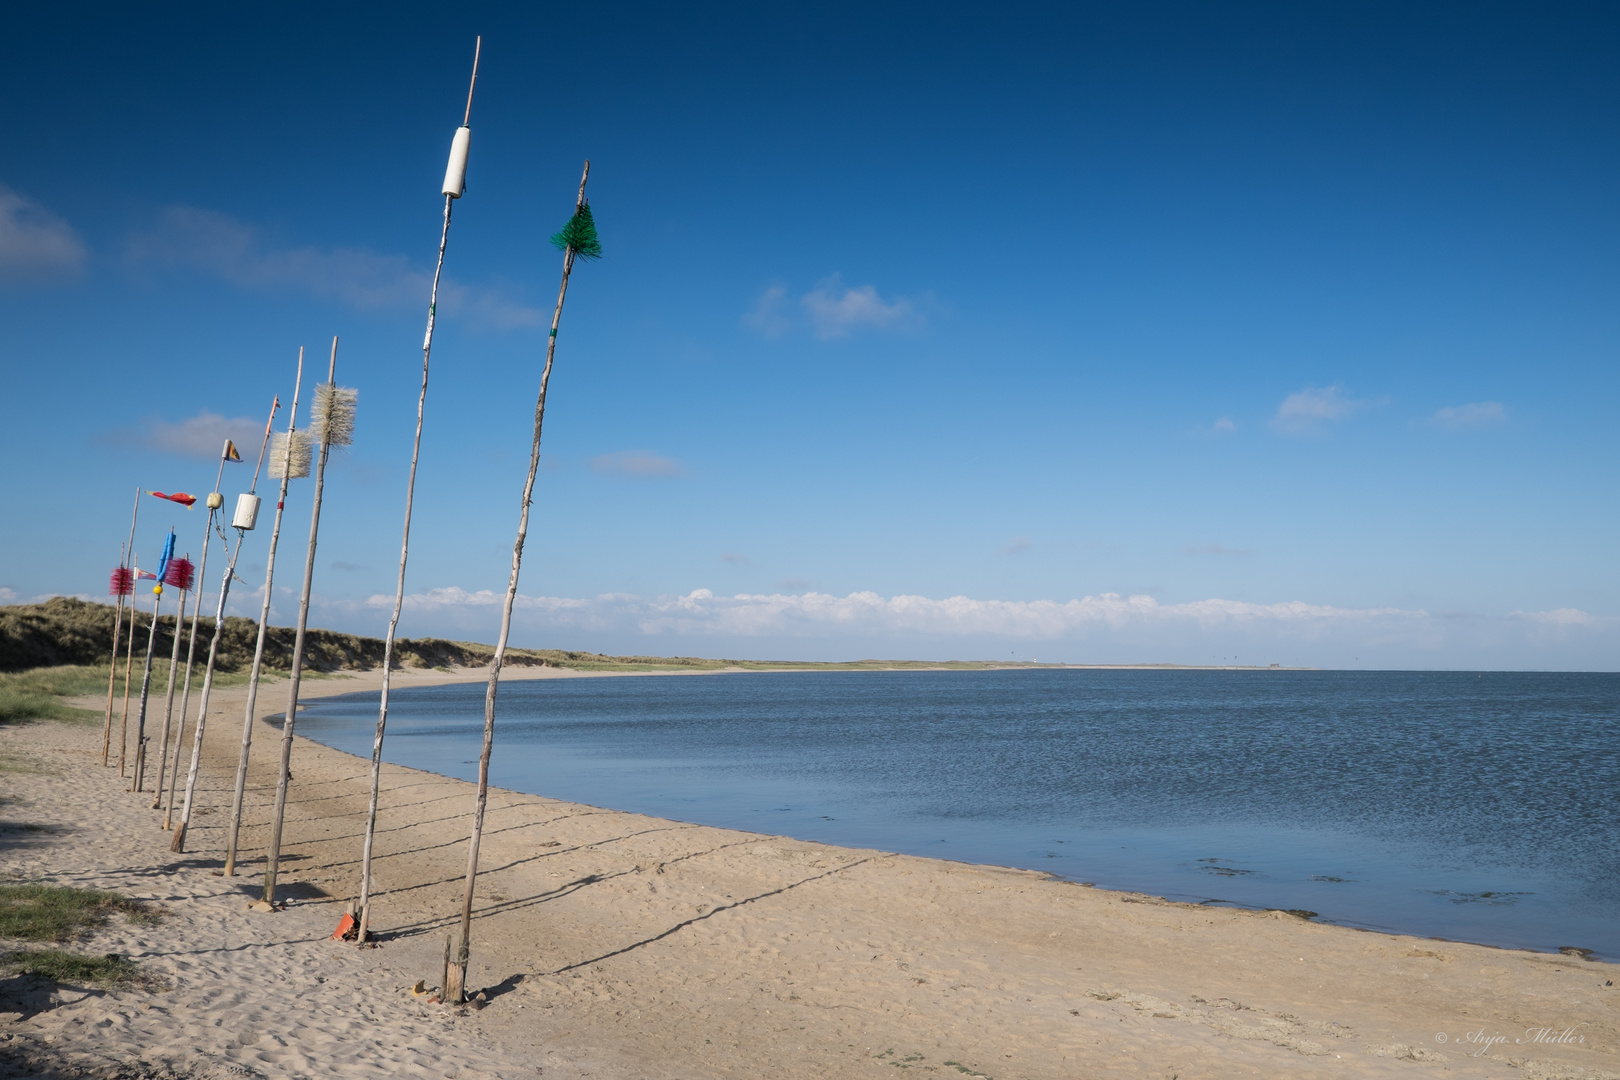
(1092, 333)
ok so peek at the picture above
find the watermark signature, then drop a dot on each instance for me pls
(1479, 1042)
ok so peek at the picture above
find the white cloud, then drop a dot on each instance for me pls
(832, 310)
(186, 236)
(637, 463)
(1470, 417)
(1016, 546)
(1313, 408)
(35, 244)
(1105, 617)
(767, 316)
(733, 558)
(201, 436)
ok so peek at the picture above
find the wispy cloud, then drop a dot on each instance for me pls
(1312, 409)
(1471, 417)
(216, 243)
(832, 310)
(641, 464)
(36, 246)
(200, 436)
(733, 558)
(1224, 426)
(1016, 546)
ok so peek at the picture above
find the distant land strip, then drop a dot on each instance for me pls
(65, 630)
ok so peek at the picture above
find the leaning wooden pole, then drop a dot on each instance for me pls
(120, 586)
(331, 423)
(215, 501)
(129, 662)
(455, 183)
(146, 674)
(456, 975)
(293, 454)
(246, 516)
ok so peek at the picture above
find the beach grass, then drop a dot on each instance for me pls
(74, 969)
(37, 694)
(37, 912)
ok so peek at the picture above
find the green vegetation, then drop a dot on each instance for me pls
(58, 913)
(70, 968)
(37, 694)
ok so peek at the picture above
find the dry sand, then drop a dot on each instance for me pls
(619, 946)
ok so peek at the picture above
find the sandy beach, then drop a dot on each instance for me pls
(615, 945)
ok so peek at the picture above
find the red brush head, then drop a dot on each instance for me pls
(122, 582)
(179, 574)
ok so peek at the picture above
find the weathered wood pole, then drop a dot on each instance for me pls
(331, 424)
(288, 456)
(454, 184)
(456, 979)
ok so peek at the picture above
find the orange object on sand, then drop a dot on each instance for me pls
(346, 928)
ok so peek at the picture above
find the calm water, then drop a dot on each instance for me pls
(1476, 807)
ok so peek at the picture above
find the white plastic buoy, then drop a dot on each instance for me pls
(247, 511)
(455, 174)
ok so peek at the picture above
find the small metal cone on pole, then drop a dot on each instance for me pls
(454, 185)
(215, 501)
(178, 844)
(325, 427)
(287, 468)
(455, 988)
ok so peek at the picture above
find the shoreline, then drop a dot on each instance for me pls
(615, 944)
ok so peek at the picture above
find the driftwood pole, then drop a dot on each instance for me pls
(215, 501)
(129, 660)
(146, 674)
(454, 185)
(178, 844)
(180, 576)
(121, 586)
(331, 423)
(578, 238)
(288, 468)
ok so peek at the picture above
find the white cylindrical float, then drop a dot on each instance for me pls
(455, 174)
(247, 511)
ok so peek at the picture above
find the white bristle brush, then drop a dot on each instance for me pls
(331, 418)
(296, 467)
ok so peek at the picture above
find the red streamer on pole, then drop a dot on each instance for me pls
(122, 582)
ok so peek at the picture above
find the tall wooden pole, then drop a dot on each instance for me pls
(264, 619)
(129, 661)
(215, 501)
(112, 668)
(404, 547)
(146, 686)
(178, 844)
(168, 708)
(284, 774)
(456, 976)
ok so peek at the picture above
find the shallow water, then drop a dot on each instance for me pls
(1477, 807)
